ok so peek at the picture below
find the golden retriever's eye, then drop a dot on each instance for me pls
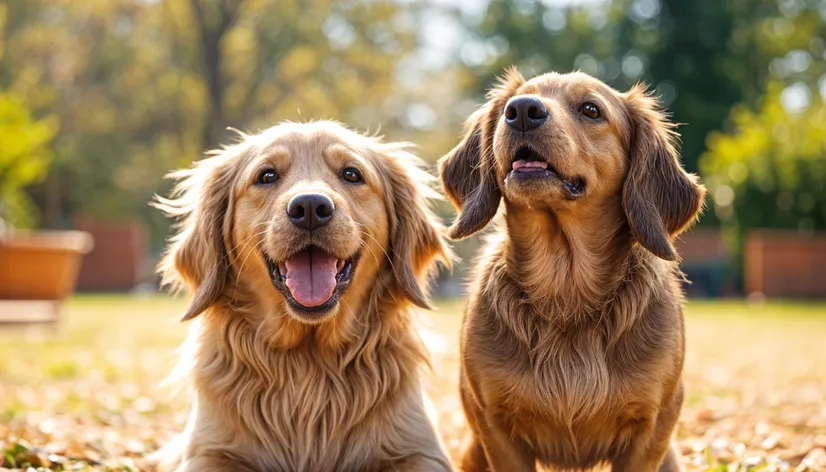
(352, 175)
(591, 111)
(267, 176)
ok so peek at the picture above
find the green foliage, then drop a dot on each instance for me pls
(24, 157)
(700, 57)
(770, 170)
(623, 42)
(140, 88)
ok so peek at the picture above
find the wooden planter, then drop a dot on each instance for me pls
(38, 270)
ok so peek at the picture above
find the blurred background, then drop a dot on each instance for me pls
(99, 99)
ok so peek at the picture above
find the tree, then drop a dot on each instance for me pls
(702, 57)
(140, 88)
(24, 158)
(214, 20)
(770, 169)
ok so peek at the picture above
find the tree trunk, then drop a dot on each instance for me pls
(214, 18)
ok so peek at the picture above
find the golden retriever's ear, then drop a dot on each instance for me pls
(197, 255)
(416, 241)
(468, 171)
(659, 198)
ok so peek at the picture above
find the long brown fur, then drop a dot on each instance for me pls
(272, 391)
(573, 337)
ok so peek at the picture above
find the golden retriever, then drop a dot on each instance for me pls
(306, 247)
(573, 339)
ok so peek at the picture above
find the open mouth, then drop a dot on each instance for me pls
(312, 280)
(527, 163)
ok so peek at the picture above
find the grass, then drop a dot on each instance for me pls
(87, 396)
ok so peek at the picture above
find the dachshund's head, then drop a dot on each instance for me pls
(569, 144)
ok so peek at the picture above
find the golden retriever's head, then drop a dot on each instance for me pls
(307, 220)
(570, 144)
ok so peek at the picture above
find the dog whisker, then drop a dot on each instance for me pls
(241, 269)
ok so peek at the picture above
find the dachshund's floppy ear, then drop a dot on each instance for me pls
(197, 255)
(416, 241)
(468, 171)
(659, 198)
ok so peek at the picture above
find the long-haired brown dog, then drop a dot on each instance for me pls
(306, 247)
(572, 343)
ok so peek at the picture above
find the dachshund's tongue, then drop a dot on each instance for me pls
(311, 277)
(529, 166)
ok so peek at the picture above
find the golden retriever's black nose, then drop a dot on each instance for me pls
(310, 210)
(525, 113)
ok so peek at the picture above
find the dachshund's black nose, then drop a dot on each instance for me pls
(310, 210)
(525, 112)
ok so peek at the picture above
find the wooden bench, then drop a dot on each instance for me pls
(20, 312)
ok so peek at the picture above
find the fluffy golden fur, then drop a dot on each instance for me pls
(573, 338)
(277, 387)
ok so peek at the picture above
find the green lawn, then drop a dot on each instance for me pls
(88, 394)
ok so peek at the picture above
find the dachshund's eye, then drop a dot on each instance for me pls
(591, 111)
(267, 176)
(352, 175)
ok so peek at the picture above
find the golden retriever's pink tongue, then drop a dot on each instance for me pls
(311, 277)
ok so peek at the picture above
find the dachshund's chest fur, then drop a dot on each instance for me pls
(577, 396)
(570, 405)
